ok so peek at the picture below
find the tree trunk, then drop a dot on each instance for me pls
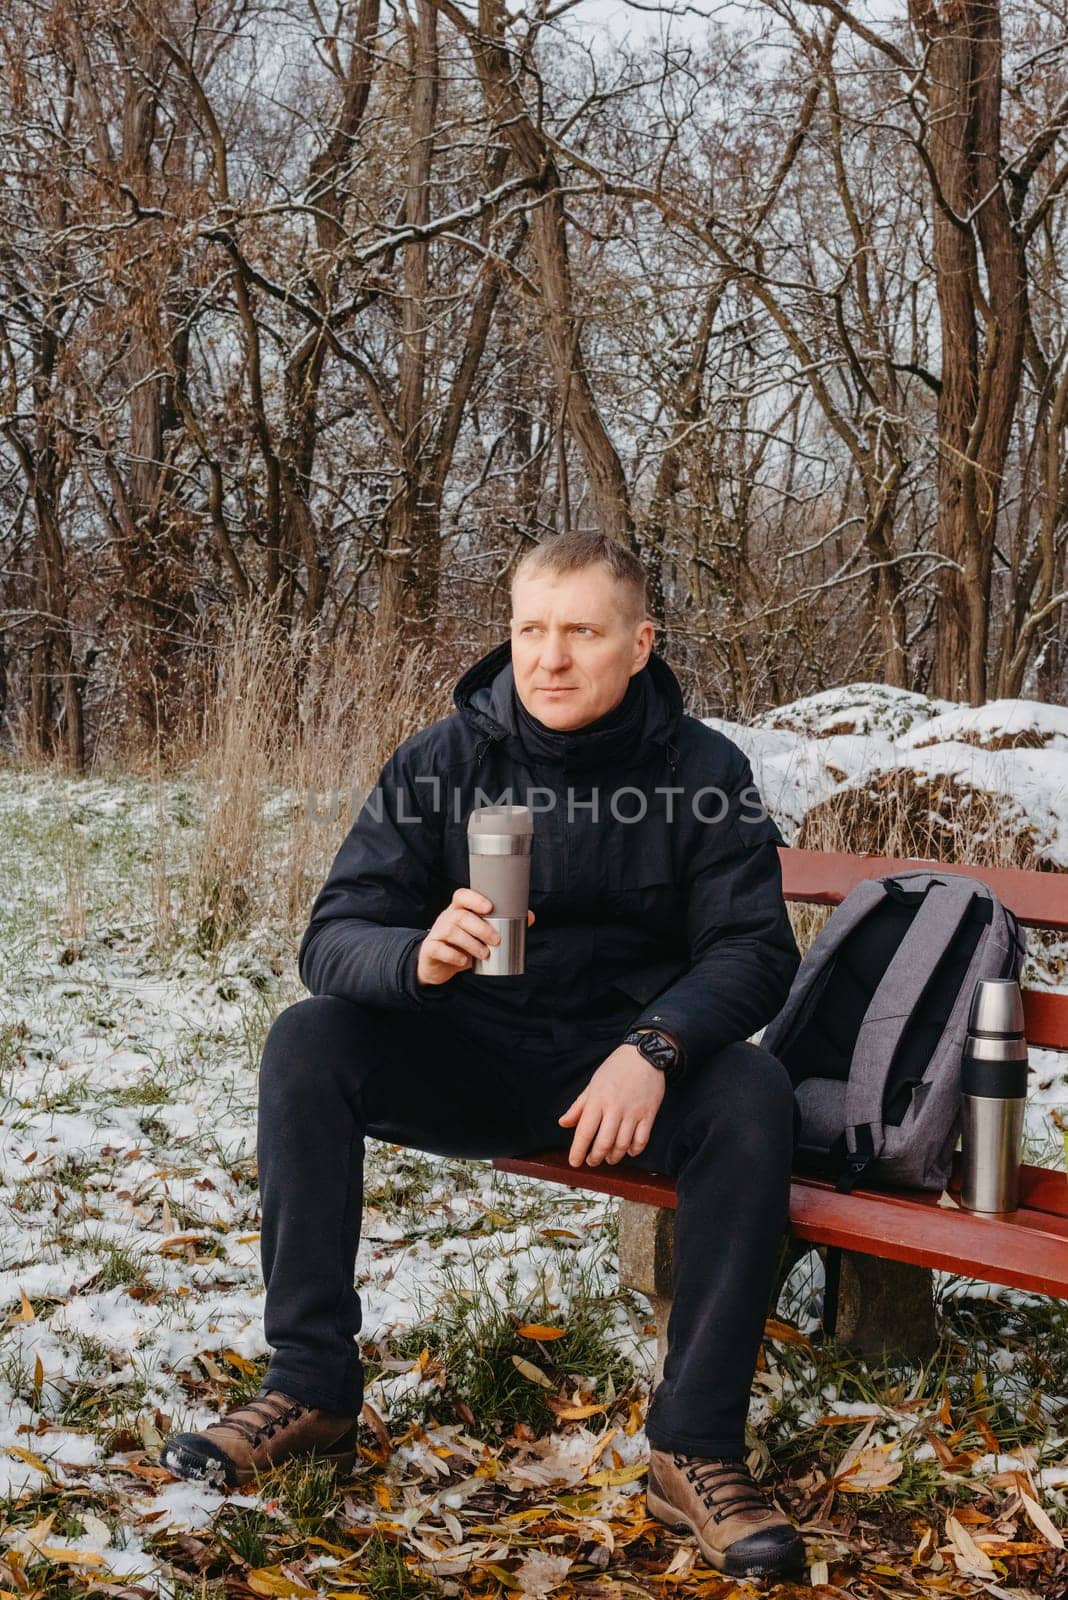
(982, 327)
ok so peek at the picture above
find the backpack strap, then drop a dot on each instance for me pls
(943, 909)
(816, 967)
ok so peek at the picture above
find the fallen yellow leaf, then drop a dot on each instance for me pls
(871, 1471)
(538, 1330)
(529, 1370)
(502, 1574)
(1041, 1520)
(273, 1581)
(965, 1547)
(32, 1460)
(572, 1413)
(72, 1558)
(614, 1475)
(786, 1333)
(240, 1362)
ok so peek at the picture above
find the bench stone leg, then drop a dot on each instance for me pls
(886, 1308)
(647, 1264)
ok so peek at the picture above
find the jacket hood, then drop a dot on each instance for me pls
(485, 695)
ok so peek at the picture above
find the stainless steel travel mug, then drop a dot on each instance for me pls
(994, 1093)
(499, 841)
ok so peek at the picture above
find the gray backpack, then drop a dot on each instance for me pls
(873, 1028)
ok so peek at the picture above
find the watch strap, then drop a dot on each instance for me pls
(659, 1050)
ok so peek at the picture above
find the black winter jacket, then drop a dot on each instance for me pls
(675, 918)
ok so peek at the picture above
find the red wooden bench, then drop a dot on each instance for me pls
(892, 1239)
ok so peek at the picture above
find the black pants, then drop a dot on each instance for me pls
(333, 1071)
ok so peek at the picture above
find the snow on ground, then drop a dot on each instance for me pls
(129, 1257)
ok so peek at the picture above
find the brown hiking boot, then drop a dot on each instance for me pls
(254, 1437)
(738, 1530)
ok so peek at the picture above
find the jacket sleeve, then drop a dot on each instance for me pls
(372, 913)
(743, 952)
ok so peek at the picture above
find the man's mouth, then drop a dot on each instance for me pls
(563, 688)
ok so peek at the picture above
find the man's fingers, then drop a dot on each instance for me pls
(438, 950)
(478, 926)
(574, 1109)
(621, 1144)
(584, 1133)
(472, 899)
(467, 942)
(606, 1137)
(640, 1139)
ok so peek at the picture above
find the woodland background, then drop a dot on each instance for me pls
(336, 308)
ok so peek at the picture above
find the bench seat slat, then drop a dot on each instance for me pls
(1033, 1257)
(1026, 1250)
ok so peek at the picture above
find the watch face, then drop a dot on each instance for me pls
(660, 1051)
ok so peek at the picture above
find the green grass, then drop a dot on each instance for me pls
(308, 1490)
(119, 1266)
(474, 1338)
(387, 1575)
(245, 1385)
(246, 1533)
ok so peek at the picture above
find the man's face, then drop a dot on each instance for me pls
(575, 645)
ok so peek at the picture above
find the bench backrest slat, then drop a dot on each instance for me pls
(1039, 899)
(825, 877)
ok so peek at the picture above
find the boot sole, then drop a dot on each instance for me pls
(733, 1566)
(183, 1464)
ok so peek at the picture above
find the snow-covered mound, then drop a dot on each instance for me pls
(1001, 724)
(1008, 759)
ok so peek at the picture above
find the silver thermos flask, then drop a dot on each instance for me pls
(993, 1084)
(499, 840)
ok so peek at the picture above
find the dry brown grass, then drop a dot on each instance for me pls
(73, 924)
(937, 817)
(279, 719)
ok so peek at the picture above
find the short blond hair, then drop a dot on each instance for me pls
(573, 552)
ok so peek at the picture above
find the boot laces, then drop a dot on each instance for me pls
(259, 1419)
(708, 1476)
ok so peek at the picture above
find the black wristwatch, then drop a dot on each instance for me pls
(662, 1052)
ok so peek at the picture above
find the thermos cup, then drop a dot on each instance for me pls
(499, 840)
(994, 1093)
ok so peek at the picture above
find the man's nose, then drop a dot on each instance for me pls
(554, 653)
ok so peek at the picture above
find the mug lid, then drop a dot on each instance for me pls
(509, 820)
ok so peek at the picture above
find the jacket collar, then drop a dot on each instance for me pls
(647, 716)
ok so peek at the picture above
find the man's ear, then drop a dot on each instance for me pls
(643, 646)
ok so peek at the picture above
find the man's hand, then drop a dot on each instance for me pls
(458, 937)
(619, 1105)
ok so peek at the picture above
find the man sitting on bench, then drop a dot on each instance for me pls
(658, 941)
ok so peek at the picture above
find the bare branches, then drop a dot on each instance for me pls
(347, 305)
